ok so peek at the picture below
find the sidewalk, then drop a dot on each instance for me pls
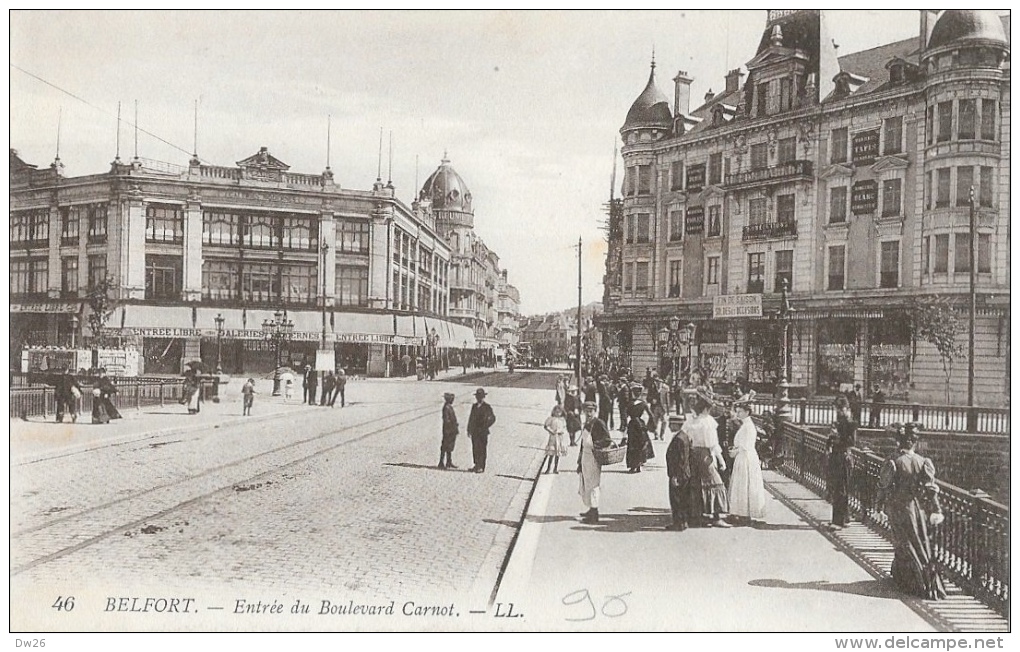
(41, 437)
(783, 576)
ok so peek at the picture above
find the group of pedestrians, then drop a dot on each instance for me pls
(68, 393)
(334, 385)
(479, 423)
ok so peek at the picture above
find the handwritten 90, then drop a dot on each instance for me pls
(612, 607)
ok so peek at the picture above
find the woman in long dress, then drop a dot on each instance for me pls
(707, 488)
(192, 393)
(106, 392)
(907, 484)
(638, 443)
(747, 487)
(99, 414)
(556, 426)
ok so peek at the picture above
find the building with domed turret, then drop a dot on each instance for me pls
(850, 180)
(480, 295)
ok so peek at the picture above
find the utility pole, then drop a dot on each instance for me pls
(971, 413)
(578, 348)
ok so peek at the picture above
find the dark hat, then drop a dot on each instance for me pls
(448, 395)
(743, 405)
(479, 392)
(590, 404)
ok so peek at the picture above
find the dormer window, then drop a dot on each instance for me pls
(896, 74)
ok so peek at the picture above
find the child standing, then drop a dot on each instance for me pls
(289, 390)
(248, 396)
(555, 425)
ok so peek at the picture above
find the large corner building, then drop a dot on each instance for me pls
(849, 178)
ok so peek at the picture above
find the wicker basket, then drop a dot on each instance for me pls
(614, 455)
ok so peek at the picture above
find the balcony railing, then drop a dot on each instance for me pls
(767, 176)
(767, 230)
(971, 548)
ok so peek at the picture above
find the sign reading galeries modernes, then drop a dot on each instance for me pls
(736, 305)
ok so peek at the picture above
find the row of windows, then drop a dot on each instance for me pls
(261, 282)
(409, 294)
(939, 184)
(260, 230)
(973, 118)
(935, 251)
(31, 276)
(864, 147)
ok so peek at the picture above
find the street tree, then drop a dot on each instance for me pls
(101, 303)
(934, 321)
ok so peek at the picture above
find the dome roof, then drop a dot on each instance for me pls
(650, 109)
(446, 189)
(967, 25)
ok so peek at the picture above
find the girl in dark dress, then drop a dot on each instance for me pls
(639, 446)
(907, 485)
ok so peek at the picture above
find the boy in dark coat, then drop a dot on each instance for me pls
(450, 431)
(678, 469)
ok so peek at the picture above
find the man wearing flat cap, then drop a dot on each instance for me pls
(450, 431)
(479, 422)
(595, 435)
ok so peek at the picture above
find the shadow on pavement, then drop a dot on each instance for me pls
(550, 519)
(758, 525)
(427, 467)
(869, 588)
(514, 477)
(510, 524)
(617, 523)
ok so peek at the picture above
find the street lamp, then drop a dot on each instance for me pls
(463, 356)
(276, 330)
(74, 328)
(784, 314)
(219, 342)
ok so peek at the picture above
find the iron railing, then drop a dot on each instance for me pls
(937, 418)
(131, 393)
(971, 548)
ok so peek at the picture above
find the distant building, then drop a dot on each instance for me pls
(846, 177)
(186, 245)
(480, 296)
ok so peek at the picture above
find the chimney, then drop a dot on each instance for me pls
(733, 80)
(927, 24)
(682, 97)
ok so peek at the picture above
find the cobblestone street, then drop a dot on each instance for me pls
(312, 504)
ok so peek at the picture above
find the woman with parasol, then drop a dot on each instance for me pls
(192, 393)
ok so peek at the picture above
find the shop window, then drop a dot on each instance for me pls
(964, 183)
(755, 273)
(893, 135)
(988, 120)
(967, 128)
(163, 275)
(945, 131)
(837, 267)
(837, 205)
(837, 352)
(889, 274)
(674, 279)
(764, 352)
(941, 254)
(891, 197)
(164, 224)
(889, 359)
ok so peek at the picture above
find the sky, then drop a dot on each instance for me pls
(527, 105)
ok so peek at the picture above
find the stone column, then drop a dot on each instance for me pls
(192, 264)
(380, 294)
(131, 249)
(53, 255)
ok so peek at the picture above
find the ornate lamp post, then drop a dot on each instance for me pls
(784, 315)
(277, 330)
(219, 342)
(74, 328)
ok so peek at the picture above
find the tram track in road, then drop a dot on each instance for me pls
(99, 522)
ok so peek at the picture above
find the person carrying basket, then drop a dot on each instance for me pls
(595, 435)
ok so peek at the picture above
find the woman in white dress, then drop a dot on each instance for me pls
(747, 488)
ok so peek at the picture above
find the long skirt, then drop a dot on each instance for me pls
(638, 444)
(708, 487)
(912, 568)
(99, 414)
(193, 401)
(747, 487)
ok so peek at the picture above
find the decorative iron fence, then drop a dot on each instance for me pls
(131, 393)
(971, 547)
(938, 418)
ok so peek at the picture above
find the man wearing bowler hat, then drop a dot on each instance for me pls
(479, 422)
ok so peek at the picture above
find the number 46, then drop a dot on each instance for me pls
(64, 604)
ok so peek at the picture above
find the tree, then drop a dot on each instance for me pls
(933, 320)
(101, 304)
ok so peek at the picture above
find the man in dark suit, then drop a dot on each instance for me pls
(479, 422)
